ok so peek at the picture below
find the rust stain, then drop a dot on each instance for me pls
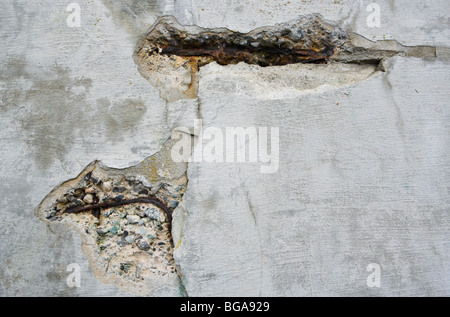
(95, 208)
(225, 54)
(169, 45)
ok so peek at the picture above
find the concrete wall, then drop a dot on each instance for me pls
(363, 171)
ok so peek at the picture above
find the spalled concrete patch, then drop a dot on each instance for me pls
(124, 220)
(270, 83)
(170, 55)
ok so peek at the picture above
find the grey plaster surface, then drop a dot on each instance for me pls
(363, 171)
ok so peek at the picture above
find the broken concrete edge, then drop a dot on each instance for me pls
(177, 92)
(172, 66)
(90, 247)
(61, 189)
(308, 33)
(170, 54)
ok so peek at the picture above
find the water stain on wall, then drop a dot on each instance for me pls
(53, 112)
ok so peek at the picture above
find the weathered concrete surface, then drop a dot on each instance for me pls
(363, 174)
(359, 182)
(69, 97)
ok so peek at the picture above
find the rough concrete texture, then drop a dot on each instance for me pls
(124, 217)
(363, 169)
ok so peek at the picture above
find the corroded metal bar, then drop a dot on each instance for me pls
(109, 204)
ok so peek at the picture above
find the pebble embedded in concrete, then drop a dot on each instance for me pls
(129, 236)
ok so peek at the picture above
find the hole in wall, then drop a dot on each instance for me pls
(124, 218)
(130, 222)
(172, 53)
